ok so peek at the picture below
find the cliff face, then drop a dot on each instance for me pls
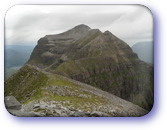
(99, 59)
(51, 49)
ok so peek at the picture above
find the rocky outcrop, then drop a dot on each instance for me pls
(56, 109)
(12, 103)
(15, 108)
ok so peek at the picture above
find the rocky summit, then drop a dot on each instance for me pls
(79, 72)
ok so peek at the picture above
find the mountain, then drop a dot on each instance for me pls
(46, 94)
(15, 57)
(20, 48)
(92, 57)
(145, 51)
(99, 59)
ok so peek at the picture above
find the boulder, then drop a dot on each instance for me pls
(12, 103)
(98, 114)
(36, 106)
(78, 114)
(21, 113)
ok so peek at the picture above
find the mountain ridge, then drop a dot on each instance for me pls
(46, 91)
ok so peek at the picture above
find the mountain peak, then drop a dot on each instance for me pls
(107, 32)
(74, 33)
(82, 26)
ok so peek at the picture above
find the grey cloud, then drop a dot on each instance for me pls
(58, 20)
(32, 25)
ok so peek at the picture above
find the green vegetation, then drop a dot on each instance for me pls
(25, 83)
(29, 84)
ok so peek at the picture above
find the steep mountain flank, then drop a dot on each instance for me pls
(46, 94)
(52, 48)
(99, 59)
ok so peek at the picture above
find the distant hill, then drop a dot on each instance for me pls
(144, 50)
(10, 71)
(15, 57)
(20, 48)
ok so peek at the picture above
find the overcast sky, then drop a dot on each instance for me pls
(26, 24)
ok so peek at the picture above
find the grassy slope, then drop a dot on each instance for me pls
(38, 86)
(25, 83)
(30, 84)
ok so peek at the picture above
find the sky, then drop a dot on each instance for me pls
(26, 24)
